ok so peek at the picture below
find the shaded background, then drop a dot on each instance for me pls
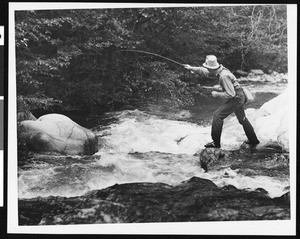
(73, 60)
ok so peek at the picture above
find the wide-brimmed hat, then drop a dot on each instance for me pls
(211, 62)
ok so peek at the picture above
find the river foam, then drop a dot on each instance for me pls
(140, 147)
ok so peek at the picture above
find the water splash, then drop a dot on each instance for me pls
(139, 147)
(140, 132)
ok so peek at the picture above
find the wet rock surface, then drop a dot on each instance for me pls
(196, 199)
(268, 160)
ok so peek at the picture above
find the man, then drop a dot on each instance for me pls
(230, 90)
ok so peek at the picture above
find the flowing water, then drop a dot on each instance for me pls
(143, 146)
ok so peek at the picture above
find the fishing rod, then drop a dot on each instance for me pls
(153, 54)
(208, 87)
(149, 53)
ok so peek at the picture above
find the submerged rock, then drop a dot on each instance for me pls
(241, 73)
(257, 71)
(196, 199)
(210, 156)
(58, 133)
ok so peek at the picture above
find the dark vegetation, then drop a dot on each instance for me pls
(73, 59)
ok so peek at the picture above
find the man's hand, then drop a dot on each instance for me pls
(217, 88)
(214, 93)
(188, 67)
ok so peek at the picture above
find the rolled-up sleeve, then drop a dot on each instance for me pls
(202, 71)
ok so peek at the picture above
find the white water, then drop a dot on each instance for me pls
(141, 148)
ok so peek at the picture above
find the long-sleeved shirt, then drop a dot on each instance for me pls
(227, 80)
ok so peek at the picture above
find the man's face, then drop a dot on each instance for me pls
(212, 71)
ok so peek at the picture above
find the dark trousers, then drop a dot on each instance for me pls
(232, 105)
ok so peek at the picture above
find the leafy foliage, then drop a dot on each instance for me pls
(73, 57)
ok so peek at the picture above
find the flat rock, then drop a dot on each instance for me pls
(241, 73)
(257, 71)
(265, 161)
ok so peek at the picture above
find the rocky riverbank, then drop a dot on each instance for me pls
(196, 199)
(153, 169)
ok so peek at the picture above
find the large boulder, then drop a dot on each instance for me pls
(58, 133)
(271, 121)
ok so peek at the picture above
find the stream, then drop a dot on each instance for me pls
(153, 145)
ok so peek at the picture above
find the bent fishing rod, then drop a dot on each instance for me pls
(166, 58)
(153, 54)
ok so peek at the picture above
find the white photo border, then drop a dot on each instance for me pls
(284, 227)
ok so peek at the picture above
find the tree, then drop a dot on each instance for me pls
(74, 57)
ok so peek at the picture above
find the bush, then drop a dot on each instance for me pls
(75, 58)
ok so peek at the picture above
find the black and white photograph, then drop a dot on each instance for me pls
(152, 118)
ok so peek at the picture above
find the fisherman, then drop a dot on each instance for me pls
(230, 90)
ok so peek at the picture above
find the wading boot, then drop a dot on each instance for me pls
(212, 145)
(251, 144)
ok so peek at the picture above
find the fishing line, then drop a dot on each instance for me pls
(153, 54)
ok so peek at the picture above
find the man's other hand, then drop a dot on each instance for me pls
(214, 93)
(217, 88)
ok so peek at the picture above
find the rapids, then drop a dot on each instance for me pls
(141, 146)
